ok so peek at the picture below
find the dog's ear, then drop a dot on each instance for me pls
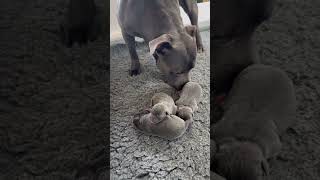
(160, 45)
(191, 30)
(265, 167)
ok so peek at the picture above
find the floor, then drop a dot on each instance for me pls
(135, 154)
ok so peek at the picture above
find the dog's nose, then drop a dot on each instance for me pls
(176, 82)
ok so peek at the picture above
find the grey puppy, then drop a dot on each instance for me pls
(161, 120)
(159, 23)
(234, 23)
(171, 127)
(189, 98)
(162, 106)
(260, 107)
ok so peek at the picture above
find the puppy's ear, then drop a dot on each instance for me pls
(191, 30)
(160, 45)
(265, 167)
(155, 120)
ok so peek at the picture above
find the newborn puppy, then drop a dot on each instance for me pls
(161, 120)
(190, 96)
(171, 127)
(260, 106)
(189, 99)
(162, 106)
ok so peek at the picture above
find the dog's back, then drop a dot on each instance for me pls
(149, 19)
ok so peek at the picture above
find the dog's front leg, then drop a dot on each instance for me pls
(135, 64)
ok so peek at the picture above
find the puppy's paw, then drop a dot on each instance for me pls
(185, 113)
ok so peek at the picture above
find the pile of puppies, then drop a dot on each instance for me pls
(169, 119)
(259, 101)
(258, 109)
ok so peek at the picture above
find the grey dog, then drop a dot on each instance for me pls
(160, 24)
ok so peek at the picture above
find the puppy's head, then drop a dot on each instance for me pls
(185, 113)
(175, 55)
(145, 123)
(232, 17)
(193, 89)
(139, 122)
(160, 111)
(240, 161)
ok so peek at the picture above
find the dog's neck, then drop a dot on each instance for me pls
(234, 48)
(227, 41)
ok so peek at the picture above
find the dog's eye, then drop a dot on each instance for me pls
(176, 73)
(155, 55)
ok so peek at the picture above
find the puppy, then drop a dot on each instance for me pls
(162, 106)
(171, 127)
(259, 108)
(161, 120)
(189, 98)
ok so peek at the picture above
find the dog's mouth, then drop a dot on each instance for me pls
(176, 86)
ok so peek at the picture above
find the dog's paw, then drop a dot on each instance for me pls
(200, 49)
(135, 72)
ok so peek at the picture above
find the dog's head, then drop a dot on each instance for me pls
(240, 161)
(175, 55)
(232, 17)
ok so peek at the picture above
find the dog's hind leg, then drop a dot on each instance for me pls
(191, 8)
